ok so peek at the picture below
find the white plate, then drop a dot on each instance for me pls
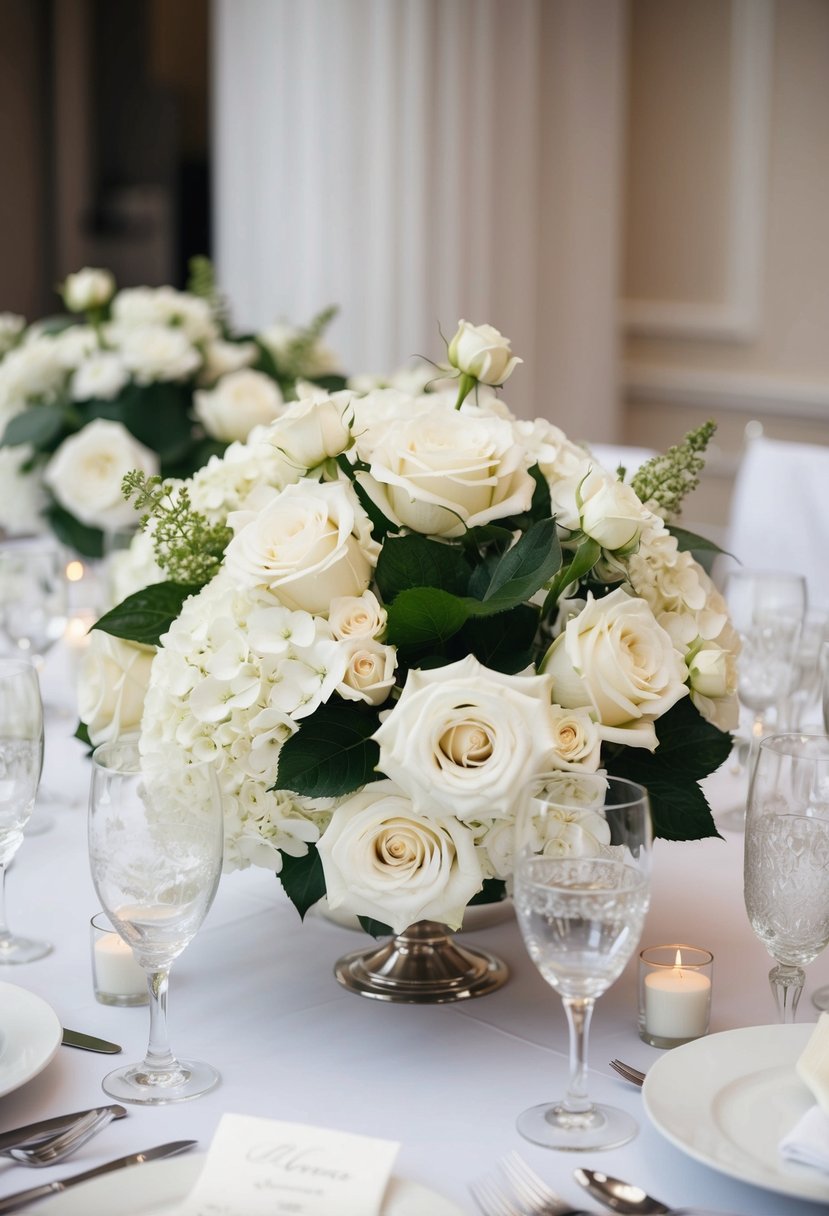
(728, 1100)
(155, 1189)
(30, 1034)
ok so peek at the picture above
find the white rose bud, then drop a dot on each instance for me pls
(713, 677)
(369, 672)
(313, 429)
(611, 514)
(87, 289)
(240, 401)
(113, 681)
(352, 617)
(86, 472)
(483, 353)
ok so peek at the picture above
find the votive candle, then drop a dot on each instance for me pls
(674, 994)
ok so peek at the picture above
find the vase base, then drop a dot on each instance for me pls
(424, 965)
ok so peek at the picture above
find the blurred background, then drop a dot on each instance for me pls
(635, 191)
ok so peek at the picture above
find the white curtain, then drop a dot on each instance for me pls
(419, 161)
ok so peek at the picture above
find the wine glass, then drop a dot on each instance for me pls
(820, 998)
(767, 609)
(581, 891)
(33, 599)
(787, 858)
(155, 849)
(21, 760)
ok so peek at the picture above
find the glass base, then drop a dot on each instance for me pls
(820, 998)
(135, 1083)
(733, 820)
(23, 950)
(601, 1127)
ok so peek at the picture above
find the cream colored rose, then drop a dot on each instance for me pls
(222, 357)
(578, 740)
(441, 472)
(574, 832)
(86, 472)
(713, 676)
(313, 429)
(369, 672)
(482, 352)
(352, 617)
(615, 657)
(88, 288)
(463, 738)
(384, 860)
(100, 377)
(112, 684)
(240, 401)
(611, 514)
(311, 543)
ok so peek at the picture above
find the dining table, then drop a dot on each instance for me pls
(255, 994)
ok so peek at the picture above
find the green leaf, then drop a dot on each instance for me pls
(82, 733)
(494, 891)
(689, 749)
(331, 383)
(502, 642)
(523, 569)
(37, 425)
(425, 615)
(690, 542)
(147, 614)
(333, 754)
(87, 541)
(540, 506)
(375, 927)
(158, 416)
(303, 879)
(415, 561)
(581, 563)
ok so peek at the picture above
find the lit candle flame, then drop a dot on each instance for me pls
(74, 571)
(678, 964)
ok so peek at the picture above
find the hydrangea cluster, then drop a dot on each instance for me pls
(426, 602)
(146, 378)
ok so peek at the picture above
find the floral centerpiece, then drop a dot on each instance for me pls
(143, 378)
(384, 612)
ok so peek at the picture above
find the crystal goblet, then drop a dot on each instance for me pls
(21, 761)
(787, 858)
(155, 848)
(582, 888)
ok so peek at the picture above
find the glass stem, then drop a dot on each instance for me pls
(579, 1011)
(159, 1058)
(5, 935)
(758, 730)
(786, 986)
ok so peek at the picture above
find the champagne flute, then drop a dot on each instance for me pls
(21, 761)
(155, 847)
(582, 888)
(786, 858)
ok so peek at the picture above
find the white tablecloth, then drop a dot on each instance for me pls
(255, 995)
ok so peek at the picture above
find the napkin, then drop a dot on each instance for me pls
(808, 1140)
(259, 1167)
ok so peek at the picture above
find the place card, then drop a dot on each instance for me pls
(261, 1167)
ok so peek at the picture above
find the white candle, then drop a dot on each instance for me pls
(677, 1001)
(116, 971)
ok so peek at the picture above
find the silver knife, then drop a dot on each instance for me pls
(87, 1042)
(47, 1127)
(21, 1198)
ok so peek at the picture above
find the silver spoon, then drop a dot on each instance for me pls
(627, 1199)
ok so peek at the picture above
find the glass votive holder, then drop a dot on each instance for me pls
(117, 978)
(674, 994)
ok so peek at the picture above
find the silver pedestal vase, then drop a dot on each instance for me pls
(423, 965)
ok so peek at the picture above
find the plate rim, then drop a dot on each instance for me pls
(29, 1001)
(784, 1185)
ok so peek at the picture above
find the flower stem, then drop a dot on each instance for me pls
(466, 384)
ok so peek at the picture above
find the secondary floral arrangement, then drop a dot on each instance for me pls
(385, 612)
(143, 378)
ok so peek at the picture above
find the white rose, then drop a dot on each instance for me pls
(75, 344)
(713, 676)
(383, 860)
(239, 402)
(100, 377)
(310, 544)
(88, 288)
(352, 617)
(369, 672)
(298, 357)
(158, 352)
(164, 306)
(482, 352)
(442, 472)
(86, 472)
(222, 357)
(611, 514)
(578, 740)
(462, 738)
(615, 657)
(314, 428)
(113, 681)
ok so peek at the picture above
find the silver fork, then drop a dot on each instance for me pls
(634, 1075)
(58, 1147)
(528, 1194)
